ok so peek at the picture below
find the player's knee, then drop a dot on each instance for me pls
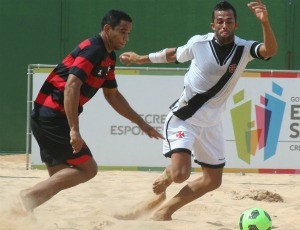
(179, 176)
(217, 184)
(214, 184)
(93, 172)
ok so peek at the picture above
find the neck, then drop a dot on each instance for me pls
(106, 42)
(223, 42)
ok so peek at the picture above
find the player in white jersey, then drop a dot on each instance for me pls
(193, 128)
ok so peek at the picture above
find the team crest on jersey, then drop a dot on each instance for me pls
(101, 71)
(106, 71)
(232, 68)
(180, 134)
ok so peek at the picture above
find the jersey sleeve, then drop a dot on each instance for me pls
(254, 51)
(86, 60)
(185, 53)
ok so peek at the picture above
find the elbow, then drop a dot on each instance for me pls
(268, 49)
(272, 51)
(270, 54)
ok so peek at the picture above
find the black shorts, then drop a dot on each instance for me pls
(53, 137)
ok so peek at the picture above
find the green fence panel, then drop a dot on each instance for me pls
(43, 31)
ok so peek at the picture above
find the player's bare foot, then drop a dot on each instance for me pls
(161, 183)
(161, 215)
(143, 209)
(25, 202)
(20, 208)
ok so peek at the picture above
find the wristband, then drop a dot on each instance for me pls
(159, 57)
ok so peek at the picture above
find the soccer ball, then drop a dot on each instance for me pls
(255, 219)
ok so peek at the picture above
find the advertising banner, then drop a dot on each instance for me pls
(261, 123)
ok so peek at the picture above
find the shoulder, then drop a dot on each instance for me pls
(94, 43)
(91, 49)
(93, 46)
(243, 42)
(201, 38)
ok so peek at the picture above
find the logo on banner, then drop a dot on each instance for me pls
(262, 132)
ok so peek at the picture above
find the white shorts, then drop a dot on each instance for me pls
(205, 144)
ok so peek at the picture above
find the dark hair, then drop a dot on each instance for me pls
(113, 18)
(224, 5)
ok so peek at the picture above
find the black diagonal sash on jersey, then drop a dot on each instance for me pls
(197, 101)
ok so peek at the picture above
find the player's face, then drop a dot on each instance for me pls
(119, 36)
(224, 26)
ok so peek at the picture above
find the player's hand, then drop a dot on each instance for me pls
(150, 131)
(259, 10)
(76, 141)
(128, 58)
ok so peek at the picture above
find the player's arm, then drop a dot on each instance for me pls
(120, 104)
(163, 56)
(71, 102)
(269, 47)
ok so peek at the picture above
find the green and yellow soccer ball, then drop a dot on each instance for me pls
(255, 219)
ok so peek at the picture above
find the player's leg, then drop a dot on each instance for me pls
(177, 145)
(65, 168)
(211, 179)
(62, 177)
(177, 172)
(209, 153)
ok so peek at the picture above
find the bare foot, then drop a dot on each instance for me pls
(25, 202)
(19, 208)
(161, 215)
(142, 209)
(161, 183)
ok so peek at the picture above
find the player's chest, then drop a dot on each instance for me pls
(103, 67)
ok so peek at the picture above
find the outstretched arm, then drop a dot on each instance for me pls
(120, 104)
(269, 47)
(163, 56)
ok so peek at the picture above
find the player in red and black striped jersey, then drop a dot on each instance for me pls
(55, 117)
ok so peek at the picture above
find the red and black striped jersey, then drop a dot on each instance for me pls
(91, 63)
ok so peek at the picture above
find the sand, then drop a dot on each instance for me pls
(93, 205)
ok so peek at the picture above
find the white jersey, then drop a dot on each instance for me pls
(201, 103)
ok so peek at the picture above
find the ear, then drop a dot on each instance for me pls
(212, 26)
(106, 28)
(237, 25)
